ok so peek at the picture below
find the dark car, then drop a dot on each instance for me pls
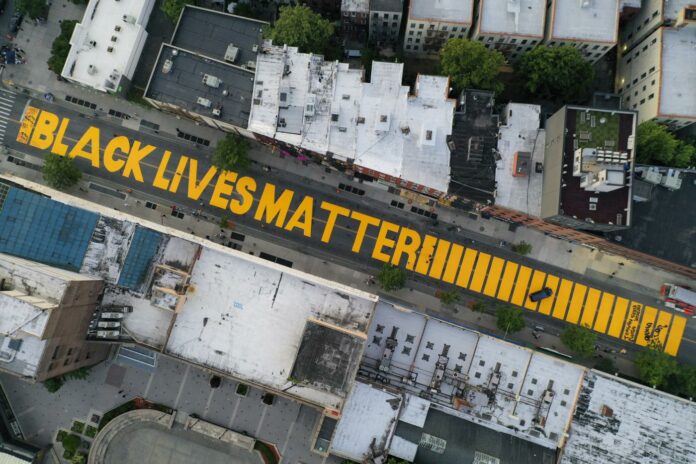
(541, 294)
(15, 22)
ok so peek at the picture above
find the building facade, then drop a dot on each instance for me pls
(385, 21)
(653, 14)
(430, 24)
(355, 24)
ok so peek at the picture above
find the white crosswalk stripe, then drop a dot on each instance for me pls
(7, 102)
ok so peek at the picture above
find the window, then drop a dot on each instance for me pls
(428, 135)
(524, 41)
(653, 41)
(408, 47)
(395, 16)
(417, 40)
(454, 29)
(651, 70)
(653, 82)
(409, 40)
(375, 15)
(419, 33)
(66, 362)
(482, 363)
(413, 25)
(513, 41)
(595, 47)
(514, 373)
(420, 26)
(655, 13)
(642, 76)
(642, 101)
(444, 28)
(410, 32)
(415, 48)
(651, 96)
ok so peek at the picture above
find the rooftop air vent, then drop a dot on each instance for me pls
(114, 38)
(167, 66)
(91, 70)
(217, 111)
(109, 49)
(211, 81)
(204, 102)
(129, 19)
(231, 53)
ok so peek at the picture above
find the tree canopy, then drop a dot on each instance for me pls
(449, 296)
(656, 145)
(299, 26)
(580, 340)
(523, 248)
(172, 8)
(556, 73)
(60, 172)
(391, 278)
(655, 366)
(61, 47)
(231, 153)
(32, 8)
(471, 65)
(509, 319)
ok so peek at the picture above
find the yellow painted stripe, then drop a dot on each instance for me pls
(426, 254)
(465, 269)
(547, 303)
(604, 313)
(536, 285)
(576, 303)
(494, 276)
(508, 281)
(455, 258)
(662, 327)
(559, 308)
(647, 326)
(440, 259)
(675, 335)
(588, 314)
(27, 125)
(480, 272)
(635, 312)
(521, 286)
(617, 319)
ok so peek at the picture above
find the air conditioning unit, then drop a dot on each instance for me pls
(91, 70)
(217, 111)
(231, 53)
(211, 81)
(167, 66)
(204, 102)
(251, 64)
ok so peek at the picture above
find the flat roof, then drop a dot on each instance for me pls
(358, 6)
(520, 133)
(229, 87)
(452, 11)
(585, 20)
(106, 44)
(671, 8)
(677, 92)
(210, 32)
(620, 421)
(519, 17)
(396, 6)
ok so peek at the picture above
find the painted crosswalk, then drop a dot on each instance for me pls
(7, 101)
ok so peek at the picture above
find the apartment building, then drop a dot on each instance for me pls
(656, 77)
(431, 23)
(385, 21)
(653, 14)
(354, 22)
(512, 27)
(329, 9)
(591, 26)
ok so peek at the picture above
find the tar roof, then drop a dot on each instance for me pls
(585, 20)
(210, 32)
(449, 11)
(387, 5)
(677, 90)
(519, 17)
(179, 78)
(620, 421)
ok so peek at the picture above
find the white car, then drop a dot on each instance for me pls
(109, 324)
(111, 315)
(108, 334)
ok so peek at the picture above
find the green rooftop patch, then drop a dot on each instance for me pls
(597, 129)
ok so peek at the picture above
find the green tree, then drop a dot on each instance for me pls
(556, 73)
(449, 297)
(509, 319)
(477, 306)
(71, 443)
(172, 8)
(654, 144)
(53, 384)
(78, 374)
(685, 156)
(523, 248)
(471, 65)
(32, 8)
(299, 26)
(61, 47)
(606, 365)
(78, 458)
(391, 278)
(655, 366)
(232, 152)
(580, 340)
(60, 172)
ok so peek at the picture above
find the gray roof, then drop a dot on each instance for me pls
(209, 33)
(387, 5)
(183, 85)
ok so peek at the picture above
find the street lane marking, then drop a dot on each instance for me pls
(536, 285)
(576, 303)
(494, 276)
(452, 266)
(480, 272)
(564, 291)
(439, 260)
(675, 335)
(521, 286)
(662, 327)
(588, 314)
(466, 267)
(604, 313)
(635, 312)
(508, 281)
(617, 318)
(647, 326)
(547, 303)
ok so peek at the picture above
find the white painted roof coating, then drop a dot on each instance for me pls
(520, 17)
(586, 20)
(678, 89)
(358, 6)
(118, 25)
(673, 7)
(455, 11)
(620, 421)
(520, 133)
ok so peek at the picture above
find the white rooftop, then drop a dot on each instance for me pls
(678, 92)
(368, 421)
(106, 44)
(358, 6)
(673, 7)
(585, 20)
(453, 11)
(520, 133)
(520, 17)
(620, 421)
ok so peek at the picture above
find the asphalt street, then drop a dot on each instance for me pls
(338, 250)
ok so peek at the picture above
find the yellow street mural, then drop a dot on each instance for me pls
(424, 254)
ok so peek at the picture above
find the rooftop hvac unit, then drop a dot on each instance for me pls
(232, 53)
(255, 48)
(217, 111)
(167, 66)
(114, 38)
(109, 49)
(211, 81)
(91, 70)
(251, 64)
(130, 19)
(204, 102)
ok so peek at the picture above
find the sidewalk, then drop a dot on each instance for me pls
(34, 78)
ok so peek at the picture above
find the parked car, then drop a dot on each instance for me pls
(108, 324)
(111, 315)
(541, 294)
(118, 308)
(108, 334)
(15, 22)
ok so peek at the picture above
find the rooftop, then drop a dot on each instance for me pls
(677, 92)
(106, 44)
(450, 11)
(521, 147)
(202, 85)
(673, 7)
(520, 17)
(211, 33)
(619, 421)
(387, 5)
(585, 20)
(358, 6)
